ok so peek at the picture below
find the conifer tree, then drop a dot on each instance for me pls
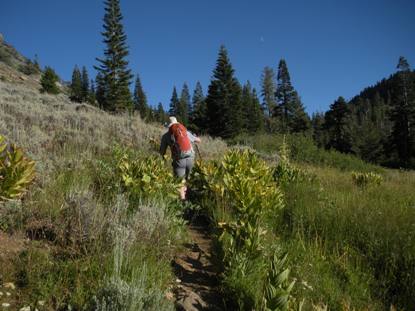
(268, 90)
(140, 99)
(174, 103)
(76, 86)
(161, 114)
(253, 115)
(299, 121)
(199, 117)
(100, 92)
(224, 99)
(402, 115)
(113, 67)
(91, 95)
(336, 122)
(289, 108)
(48, 81)
(184, 104)
(85, 84)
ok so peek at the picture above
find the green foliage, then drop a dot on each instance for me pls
(241, 193)
(223, 102)
(140, 100)
(147, 177)
(352, 245)
(113, 67)
(303, 150)
(16, 171)
(286, 172)
(48, 81)
(366, 179)
(76, 86)
(29, 68)
(277, 286)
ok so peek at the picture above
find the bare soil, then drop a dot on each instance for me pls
(197, 286)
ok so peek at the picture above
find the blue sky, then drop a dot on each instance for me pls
(332, 48)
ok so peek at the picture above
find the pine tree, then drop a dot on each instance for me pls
(253, 116)
(199, 115)
(299, 121)
(113, 67)
(48, 81)
(91, 95)
(402, 115)
(160, 114)
(140, 99)
(336, 122)
(319, 132)
(289, 110)
(224, 99)
(76, 86)
(174, 103)
(85, 84)
(268, 90)
(101, 91)
(184, 104)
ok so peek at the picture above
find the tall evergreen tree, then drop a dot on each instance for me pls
(174, 103)
(101, 90)
(199, 114)
(336, 122)
(113, 67)
(140, 99)
(299, 120)
(91, 95)
(76, 93)
(253, 116)
(224, 99)
(160, 114)
(319, 132)
(289, 108)
(268, 90)
(184, 104)
(85, 84)
(403, 115)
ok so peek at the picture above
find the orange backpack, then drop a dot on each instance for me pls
(182, 147)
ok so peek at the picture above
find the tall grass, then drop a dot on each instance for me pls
(368, 233)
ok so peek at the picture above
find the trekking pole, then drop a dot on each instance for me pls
(198, 152)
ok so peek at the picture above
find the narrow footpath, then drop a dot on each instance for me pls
(197, 286)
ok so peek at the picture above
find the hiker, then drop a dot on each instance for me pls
(180, 141)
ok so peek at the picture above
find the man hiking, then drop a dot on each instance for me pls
(180, 141)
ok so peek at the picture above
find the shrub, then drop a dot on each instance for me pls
(365, 179)
(148, 177)
(16, 171)
(240, 193)
(48, 81)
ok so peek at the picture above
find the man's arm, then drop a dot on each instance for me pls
(193, 138)
(163, 144)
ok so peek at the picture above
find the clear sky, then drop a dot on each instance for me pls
(332, 48)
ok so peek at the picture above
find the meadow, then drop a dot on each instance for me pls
(288, 219)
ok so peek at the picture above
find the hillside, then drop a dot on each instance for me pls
(274, 221)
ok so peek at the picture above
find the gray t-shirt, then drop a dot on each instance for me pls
(166, 141)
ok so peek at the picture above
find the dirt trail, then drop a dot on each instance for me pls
(198, 285)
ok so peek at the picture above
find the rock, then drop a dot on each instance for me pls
(25, 308)
(41, 302)
(5, 305)
(9, 286)
(1, 38)
(1, 294)
(8, 294)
